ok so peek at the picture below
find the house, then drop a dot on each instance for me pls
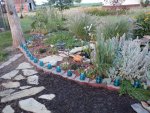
(26, 5)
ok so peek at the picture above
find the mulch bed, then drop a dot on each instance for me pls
(72, 97)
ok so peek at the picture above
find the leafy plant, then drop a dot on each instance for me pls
(65, 66)
(54, 50)
(142, 25)
(40, 21)
(41, 50)
(105, 54)
(114, 26)
(76, 24)
(137, 93)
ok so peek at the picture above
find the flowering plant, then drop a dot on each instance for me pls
(142, 25)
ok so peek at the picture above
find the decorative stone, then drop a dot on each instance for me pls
(29, 72)
(25, 87)
(47, 96)
(32, 105)
(107, 81)
(24, 65)
(11, 84)
(6, 92)
(33, 80)
(84, 81)
(63, 55)
(22, 94)
(19, 77)
(52, 59)
(8, 109)
(148, 82)
(10, 75)
(138, 108)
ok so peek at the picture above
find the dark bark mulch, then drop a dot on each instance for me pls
(72, 97)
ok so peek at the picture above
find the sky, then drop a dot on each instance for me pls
(39, 2)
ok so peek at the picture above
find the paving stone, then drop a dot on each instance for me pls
(32, 105)
(29, 72)
(8, 109)
(24, 65)
(138, 108)
(10, 75)
(52, 59)
(33, 80)
(25, 87)
(11, 84)
(47, 96)
(6, 92)
(23, 93)
(78, 79)
(19, 77)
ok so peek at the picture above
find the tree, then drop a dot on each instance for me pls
(14, 22)
(144, 3)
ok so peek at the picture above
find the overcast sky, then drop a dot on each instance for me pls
(39, 2)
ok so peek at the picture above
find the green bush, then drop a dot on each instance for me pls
(76, 24)
(142, 25)
(114, 26)
(105, 12)
(137, 93)
(105, 54)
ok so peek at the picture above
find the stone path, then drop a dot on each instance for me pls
(13, 90)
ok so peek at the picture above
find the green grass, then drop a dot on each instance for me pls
(63, 36)
(5, 41)
(137, 93)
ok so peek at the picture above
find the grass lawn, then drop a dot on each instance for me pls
(6, 39)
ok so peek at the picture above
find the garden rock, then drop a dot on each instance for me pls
(29, 72)
(19, 77)
(6, 92)
(23, 93)
(52, 59)
(47, 96)
(148, 82)
(24, 65)
(33, 80)
(8, 109)
(107, 81)
(138, 108)
(11, 84)
(25, 87)
(10, 75)
(32, 105)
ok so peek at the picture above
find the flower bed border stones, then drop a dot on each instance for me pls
(23, 48)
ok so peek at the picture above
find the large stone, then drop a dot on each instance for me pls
(33, 80)
(23, 93)
(19, 77)
(8, 109)
(29, 72)
(107, 81)
(52, 59)
(6, 92)
(47, 96)
(11, 84)
(138, 108)
(25, 87)
(32, 105)
(10, 75)
(24, 65)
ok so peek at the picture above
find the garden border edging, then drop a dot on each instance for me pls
(50, 71)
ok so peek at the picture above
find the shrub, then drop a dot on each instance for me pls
(76, 24)
(142, 25)
(40, 21)
(105, 54)
(114, 26)
(105, 12)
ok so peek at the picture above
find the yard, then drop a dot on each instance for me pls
(102, 50)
